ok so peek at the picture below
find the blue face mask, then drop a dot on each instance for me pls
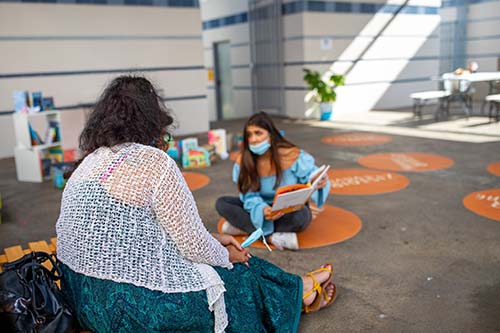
(260, 148)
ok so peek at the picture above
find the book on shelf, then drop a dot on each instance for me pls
(290, 198)
(45, 165)
(47, 103)
(36, 99)
(53, 134)
(56, 154)
(35, 138)
(21, 101)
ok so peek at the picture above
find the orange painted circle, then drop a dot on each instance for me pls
(485, 203)
(363, 181)
(406, 161)
(494, 168)
(356, 139)
(333, 225)
(196, 180)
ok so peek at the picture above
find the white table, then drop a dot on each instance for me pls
(490, 77)
(474, 77)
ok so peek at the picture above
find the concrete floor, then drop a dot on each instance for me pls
(421, 263)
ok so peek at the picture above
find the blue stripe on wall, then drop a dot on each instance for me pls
(90, 37)
(482, 19)
(488, 37)
(456, 3)
(351, 7)
(100, 71)
(350, 37)
(90, 105)
(156, 3)
(484, 55)
(330, 61)
(301, 6)
(301, 88)
(336, 37)
(225, 21)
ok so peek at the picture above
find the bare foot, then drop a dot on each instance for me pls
(330, 289)
(308, 284)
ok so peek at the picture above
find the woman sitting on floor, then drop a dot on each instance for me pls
(268, 161)
(135, 254)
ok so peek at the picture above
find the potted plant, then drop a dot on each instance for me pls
(322, 92)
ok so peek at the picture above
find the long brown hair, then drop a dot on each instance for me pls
(249, 179)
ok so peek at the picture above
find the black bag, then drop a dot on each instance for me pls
(29, 298)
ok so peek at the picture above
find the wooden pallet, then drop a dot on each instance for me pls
(15, 252)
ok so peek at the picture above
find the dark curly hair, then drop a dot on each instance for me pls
(129, 110)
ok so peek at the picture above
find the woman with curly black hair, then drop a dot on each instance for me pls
(135, 254)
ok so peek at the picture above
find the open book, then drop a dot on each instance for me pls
(291, 198)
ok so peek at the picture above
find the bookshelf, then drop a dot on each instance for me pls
(33, 156)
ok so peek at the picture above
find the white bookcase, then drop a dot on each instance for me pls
(29, 157)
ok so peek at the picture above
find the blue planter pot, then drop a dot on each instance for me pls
(325, 116)
(326, 111)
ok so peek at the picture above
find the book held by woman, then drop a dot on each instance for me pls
(290, 198)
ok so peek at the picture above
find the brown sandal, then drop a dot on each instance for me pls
(319, 289)
(314, 306)
(320, 296)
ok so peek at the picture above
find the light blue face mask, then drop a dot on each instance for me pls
(254, 237)
(260, 148)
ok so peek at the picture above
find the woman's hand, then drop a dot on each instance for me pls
(238, 256)
(228, 240)
(315, 210)
(272, 216)
(236, 252)
(322, 182)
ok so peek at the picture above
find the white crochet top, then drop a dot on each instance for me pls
(127, 215)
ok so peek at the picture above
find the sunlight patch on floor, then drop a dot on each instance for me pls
(473, 125)
(405, 131)
(375, 118)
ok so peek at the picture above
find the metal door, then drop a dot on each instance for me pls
(223, 81)
(266, 48)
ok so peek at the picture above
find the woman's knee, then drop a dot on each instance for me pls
(302, 219)
(221, 205)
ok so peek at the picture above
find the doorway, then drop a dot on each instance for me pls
(223, 81)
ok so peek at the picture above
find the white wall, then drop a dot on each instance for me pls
(483, 40)
(387, 57)
(238, 37)
(71, 51)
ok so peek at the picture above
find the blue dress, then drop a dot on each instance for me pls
(299, 173)
(259, 298)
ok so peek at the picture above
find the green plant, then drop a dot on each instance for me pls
(324, 90)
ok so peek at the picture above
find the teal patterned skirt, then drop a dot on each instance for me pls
(259, 298)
